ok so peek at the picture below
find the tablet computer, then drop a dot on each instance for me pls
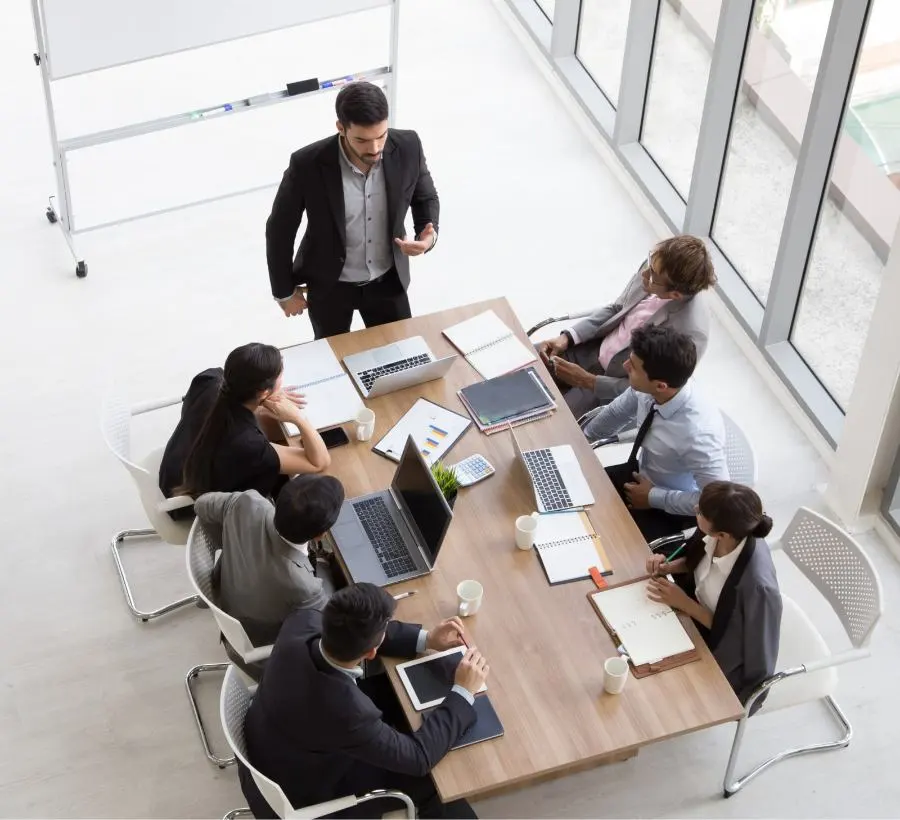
(428, 680)
(487, 725)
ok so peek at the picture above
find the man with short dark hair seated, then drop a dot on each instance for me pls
(680, 435)
(317, 725)
(265, 571)
(669, 290)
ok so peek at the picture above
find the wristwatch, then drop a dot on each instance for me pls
(569, 337)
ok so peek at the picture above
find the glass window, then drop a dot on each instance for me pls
(858, 218)
(548, 7)
(602, 28)
(682, 52)
(780, 68)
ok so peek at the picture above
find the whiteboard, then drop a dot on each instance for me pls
(86, 35)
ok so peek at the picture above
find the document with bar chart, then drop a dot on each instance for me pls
(434, 429)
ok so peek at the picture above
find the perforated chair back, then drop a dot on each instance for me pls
(839, 569)
(201, 559)
(115, 421)
(739, 454)
(234, 703)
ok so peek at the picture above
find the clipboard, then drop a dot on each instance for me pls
(646, 669)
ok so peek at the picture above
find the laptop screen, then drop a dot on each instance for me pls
(421, 499)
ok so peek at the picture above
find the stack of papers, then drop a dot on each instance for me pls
(489, 345)
(568, 546)
(313, 370)
(649, 632)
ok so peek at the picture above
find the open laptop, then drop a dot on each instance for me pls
(395, 366)
(395, 534)
(555, 475)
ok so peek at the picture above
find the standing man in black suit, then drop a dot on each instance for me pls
(321, 729)
(355, 188)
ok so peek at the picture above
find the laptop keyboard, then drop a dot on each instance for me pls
(547, 480)
(384, 536)
(367, 377)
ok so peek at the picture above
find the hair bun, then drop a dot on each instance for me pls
(763, 528)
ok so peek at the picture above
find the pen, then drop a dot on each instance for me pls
(463, 639)
(402, 595)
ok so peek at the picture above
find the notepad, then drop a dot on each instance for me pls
(649, 631)
(568, 547)
(313, 370)
(489, 345)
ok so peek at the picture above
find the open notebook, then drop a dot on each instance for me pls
(313, 370)
(568, 547)
(489, 345)
(648, 631)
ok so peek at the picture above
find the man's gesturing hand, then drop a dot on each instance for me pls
(415, 247)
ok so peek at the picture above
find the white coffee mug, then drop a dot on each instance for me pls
(470, 595)
(526, 526)
(615, 675)
(365, 424)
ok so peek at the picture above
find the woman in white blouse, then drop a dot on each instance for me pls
(726, 582)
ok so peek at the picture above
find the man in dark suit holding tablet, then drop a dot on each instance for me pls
(317, 726)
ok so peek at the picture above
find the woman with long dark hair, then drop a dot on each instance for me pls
(726, 582)
(220, 445)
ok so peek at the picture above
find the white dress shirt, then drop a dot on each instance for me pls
(712, 573)
(683, 451)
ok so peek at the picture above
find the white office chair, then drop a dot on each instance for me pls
(552, 319)
(200, 556)
(739, 453)
(845, 576)
(116, 417)
(233, 705)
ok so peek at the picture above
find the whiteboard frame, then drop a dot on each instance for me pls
(60, 205)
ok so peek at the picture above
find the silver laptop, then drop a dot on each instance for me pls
(395, 366)
(556, 477)
(394, 534)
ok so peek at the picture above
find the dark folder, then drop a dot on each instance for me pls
(508, 396)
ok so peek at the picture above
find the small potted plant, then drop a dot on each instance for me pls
(446, 480)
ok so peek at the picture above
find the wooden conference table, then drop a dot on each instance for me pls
(545, 645)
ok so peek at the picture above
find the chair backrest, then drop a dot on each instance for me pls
(233, 705)
(200, 555)
(839, 569)
(115, 422)
(739, 454)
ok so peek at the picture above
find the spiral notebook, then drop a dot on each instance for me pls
(489, 345)
(313, 370)
(568, 547)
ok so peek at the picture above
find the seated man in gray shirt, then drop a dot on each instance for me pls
(265, 571)
(680, 443)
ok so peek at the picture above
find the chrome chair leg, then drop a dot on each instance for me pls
(193, 673)
(238, 813)
(118, 539)
(732, 785)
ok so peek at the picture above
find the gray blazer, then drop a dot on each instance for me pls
(746, 625)
(689, 315)
(261, 578)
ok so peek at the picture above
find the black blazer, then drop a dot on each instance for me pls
(312, 184)
(746, 626)
(312, 731)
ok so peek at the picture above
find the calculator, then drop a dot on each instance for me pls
(472, 469)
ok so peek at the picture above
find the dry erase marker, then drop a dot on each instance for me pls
(400, 596)
(338, 82)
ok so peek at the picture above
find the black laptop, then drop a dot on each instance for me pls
(395, 534)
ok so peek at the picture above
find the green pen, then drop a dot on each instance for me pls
(674, 555)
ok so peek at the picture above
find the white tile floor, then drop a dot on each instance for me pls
(93, 715)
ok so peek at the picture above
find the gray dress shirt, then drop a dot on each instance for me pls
(684, 448)
(369, 250)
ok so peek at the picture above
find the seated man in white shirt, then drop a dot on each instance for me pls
(266, 571)
(680, 443)
(588, 359)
